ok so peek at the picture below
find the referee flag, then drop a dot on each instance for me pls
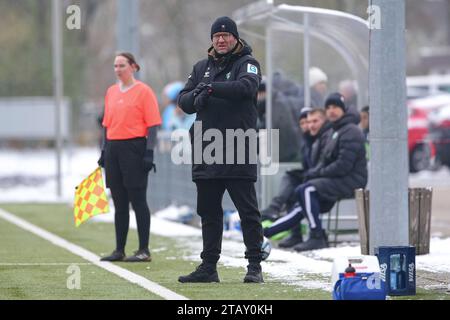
(90, 198)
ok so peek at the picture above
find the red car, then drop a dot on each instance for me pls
(422, 139)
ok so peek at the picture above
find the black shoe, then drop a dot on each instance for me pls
(203, 273)
(114, 256)
(140, 256)
(317, 240)
(270, 213)
(293, 239)
(254, 274)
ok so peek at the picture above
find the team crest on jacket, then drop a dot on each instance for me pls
(228, 75)
(335, 135)
(252, 69)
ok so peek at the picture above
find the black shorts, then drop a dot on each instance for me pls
(123, 163)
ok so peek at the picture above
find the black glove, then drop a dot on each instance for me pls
(201, 100)
(199, 88)
(101, 160)
(147, 161)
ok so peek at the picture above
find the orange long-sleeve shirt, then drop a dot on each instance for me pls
(128, 114)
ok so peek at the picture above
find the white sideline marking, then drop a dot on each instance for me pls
(93, 258)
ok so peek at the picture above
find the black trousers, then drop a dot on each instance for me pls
(209, 207)
(286, 196)
(127, 180)
(138, 197)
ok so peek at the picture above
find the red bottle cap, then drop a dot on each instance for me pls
(349, 271)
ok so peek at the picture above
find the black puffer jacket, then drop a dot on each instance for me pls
(306, 150)
(343, 166)
(320, 142)
(235, 79)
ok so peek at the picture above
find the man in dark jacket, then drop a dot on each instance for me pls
(292, 178)
(222, 90)
(342, 168)
(319, 129)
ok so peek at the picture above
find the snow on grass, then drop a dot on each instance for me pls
(283, 266)
(311, 269)
(438, 260)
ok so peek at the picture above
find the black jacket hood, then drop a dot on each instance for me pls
(347, 118)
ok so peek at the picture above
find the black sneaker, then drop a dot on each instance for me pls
(114, 256)
(203, 273)
(317, 240)
(254, 274)
(139, 256)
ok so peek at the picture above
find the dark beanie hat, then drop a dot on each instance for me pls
(304, 112)
(224, 24)
(337, 99)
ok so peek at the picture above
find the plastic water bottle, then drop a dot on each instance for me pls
(393, 272)
(349, 271)
(401, 274)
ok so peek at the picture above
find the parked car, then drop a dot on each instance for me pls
(429, 131)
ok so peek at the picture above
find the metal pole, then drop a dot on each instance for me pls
(388, 169)
(57, 85)
(265, 187)
(306, 62)
(128, 26)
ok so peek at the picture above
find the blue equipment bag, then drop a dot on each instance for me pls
(359, 287)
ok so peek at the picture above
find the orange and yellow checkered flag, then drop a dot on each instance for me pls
(90, 198)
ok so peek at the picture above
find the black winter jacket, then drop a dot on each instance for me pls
(320, 142)
(343, 167)
(306, 150)
(235, 79)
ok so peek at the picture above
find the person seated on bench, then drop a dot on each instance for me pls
(284, 200)
(320, 130)
(342, 168)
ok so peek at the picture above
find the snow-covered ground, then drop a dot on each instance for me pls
(285, 266)
(29, 176)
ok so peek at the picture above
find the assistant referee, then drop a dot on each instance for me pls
(130, 124)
